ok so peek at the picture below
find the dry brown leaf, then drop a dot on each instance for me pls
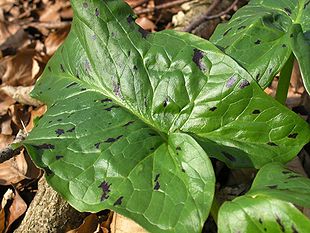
(20, 115)
(50, 13)
(89, 225)
(8, 195)
(13, 170)
(5, 140)
(21, 94)
(18, 40)
(5, 102)
(2, 220)
(19, 68)
(121, 224)
(105, 225)
(5, 125)
(146, 24)
(17, 209)
(7, 30)
(55, 39)
(35, 114)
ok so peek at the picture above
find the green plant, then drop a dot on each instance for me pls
(134, 116)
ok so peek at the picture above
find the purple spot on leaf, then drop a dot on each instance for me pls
(231, 81)
(197, 59)
(213, 109)
(293, 135)
(143, 32)
(85, 5)
(110, 108)
(117, 89)
(59, 157)
(105, 100)
(157, 186)
(111, 140)
(62, 68)
(244, 84)
(271, 144)
(129, 123)
(156, 177)
(118, 201)
(97, 13)
(94, 37)
(256, 111)
(59, 132)
(45, 146)
(288, 11)
(280, 224)
(71, 84)
(257, 42)
(130, 19)
(226, 32)
(97, 145)
(105, 186)
(71, 130)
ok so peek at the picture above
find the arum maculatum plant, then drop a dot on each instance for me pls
(134, 117)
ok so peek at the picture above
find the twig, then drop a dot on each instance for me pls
(162, 6)
(133, 6)
(9, 152)
(202, 18)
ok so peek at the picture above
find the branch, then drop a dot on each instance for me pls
(204, 17)
(162, 6)
(8, 152)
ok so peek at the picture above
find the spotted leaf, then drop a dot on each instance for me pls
(259, 37)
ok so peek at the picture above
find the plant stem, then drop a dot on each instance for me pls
(215, 209)
(284, 81)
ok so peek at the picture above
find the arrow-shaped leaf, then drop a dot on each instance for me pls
(122, 104)
(258, 36)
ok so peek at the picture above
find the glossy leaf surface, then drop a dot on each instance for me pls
(276, 181)
(261, 214)
(125, 109)
(268, 206)
(258, 36)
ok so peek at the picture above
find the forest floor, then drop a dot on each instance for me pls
(30, 33)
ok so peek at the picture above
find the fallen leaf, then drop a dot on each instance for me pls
(55, 39)
(16, 209)
(20, 115)
(13, 170)
(5, 102)
(89, 225)
(146, 24)
(18, 69)
(36, 113)
(21, 94)
(8, 195)
(5, 140)
(121, 224)
(5, 125)
(2, 220)
(105, 225)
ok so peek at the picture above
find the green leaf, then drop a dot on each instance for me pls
(100, 156)
(301, 47)
(275, 181)
(125, 109)
(261, 214)
(258, 35)
(267, 206)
